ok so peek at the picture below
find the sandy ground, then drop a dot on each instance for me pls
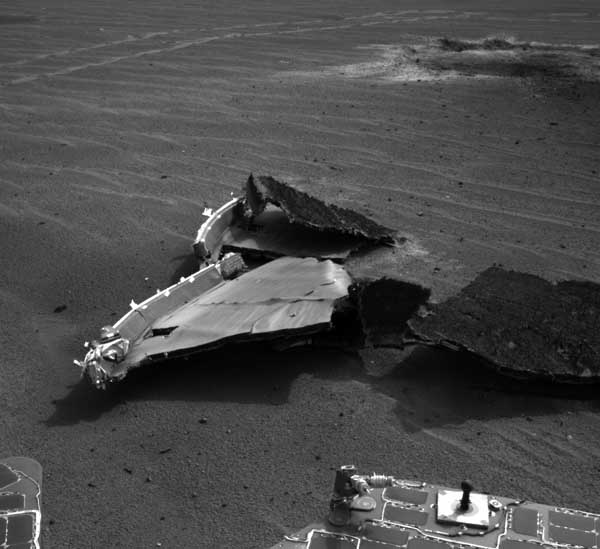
(119, 123)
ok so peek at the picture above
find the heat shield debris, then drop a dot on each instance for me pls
(522, 325)
(518, 323)
(274, 219)
(283, 300)
(385, 307)
(304, 209)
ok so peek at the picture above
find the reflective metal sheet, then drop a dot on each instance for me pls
(286, 297)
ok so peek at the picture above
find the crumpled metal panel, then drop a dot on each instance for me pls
(288, 296)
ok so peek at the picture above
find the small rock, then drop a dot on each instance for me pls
(203, 420)
(127, 470)
(420, 214)
(60, 308)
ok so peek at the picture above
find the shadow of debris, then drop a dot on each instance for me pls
(83, 403)
(188, 264)
(240, 373)
(434, 387)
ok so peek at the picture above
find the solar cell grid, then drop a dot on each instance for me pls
(11, 502)
(568, 520)
(19, 529)
(7, 476)
(405, 516)
(386, 534)
(525, 521)
(571, 536)
(407, 495)
(327, 541)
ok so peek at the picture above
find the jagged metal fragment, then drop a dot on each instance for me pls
(274, 219)
(285, 299)
(522, 325)
(385, 306)
(304, 209)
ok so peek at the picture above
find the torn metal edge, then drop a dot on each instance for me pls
(102, 356)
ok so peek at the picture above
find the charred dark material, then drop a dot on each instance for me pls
(522, 325)
(271, 234)
(308, 210)
(385, 306)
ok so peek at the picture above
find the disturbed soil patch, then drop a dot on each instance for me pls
(451, 58)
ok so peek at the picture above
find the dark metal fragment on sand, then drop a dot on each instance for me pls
(523, 325)
(385, 307)
(304, 209)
